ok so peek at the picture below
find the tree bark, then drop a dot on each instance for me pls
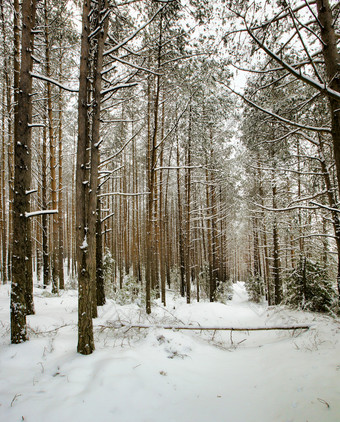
(85, 325)
(180, 227)
(60, 183)
(99, 260)
(93, 214)
(46, 269)
(188, 210)
(332, 64)
(53, 161)
(21, 280)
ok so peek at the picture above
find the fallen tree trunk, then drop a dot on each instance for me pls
(205, 328)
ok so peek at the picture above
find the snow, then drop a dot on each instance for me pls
(84, 245)
(149, 375)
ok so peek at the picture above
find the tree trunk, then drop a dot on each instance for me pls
(46, 269)
(161, 243)
(60, 185)
(85, 325)
(99, 260)
(180, 226)
(331, 201)
(332, 64)
(276, 265)
(21, 280)
(53, 163)
(188, 209)
(93, 215)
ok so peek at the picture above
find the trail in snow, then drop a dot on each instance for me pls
(170, 376)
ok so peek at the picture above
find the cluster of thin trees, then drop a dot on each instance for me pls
(119, 139)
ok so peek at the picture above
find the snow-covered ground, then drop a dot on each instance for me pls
(152, 375)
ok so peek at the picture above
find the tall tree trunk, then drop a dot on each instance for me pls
(188, 209)
(93, 214)
(7, 116)
(331, 200)
(60, 184)
(149, 208)
(85, 325)
(276, 256)
(53, 161)
(161, 245)
(332, 63)
(21, 280)
(99, 260)
(46, 269)
(3, 222)
(300, 222)
(180, 226)
(266, 272)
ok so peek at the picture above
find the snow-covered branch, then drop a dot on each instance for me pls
(54, 82)
(42, 212)
(308, 236)
(144, 69)
(175, 124)
(287, 170)
(325, 206)
(296, 207)
(308, 198)
(36, 125)
(107, 217)
(133, 35)
(299, 75)
(107, 160)
(29, 192)
(107, 176)
(124, 194)
(118, 87)
(177, 168)
(276, 116)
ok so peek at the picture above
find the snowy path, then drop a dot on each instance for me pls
(171, 376)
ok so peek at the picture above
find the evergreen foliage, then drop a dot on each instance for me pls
(255, 288)
(224, 291)
(309, 287)
(108, 268)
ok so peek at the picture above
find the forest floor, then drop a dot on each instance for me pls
(152, 375)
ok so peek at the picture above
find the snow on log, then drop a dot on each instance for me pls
(207, 328)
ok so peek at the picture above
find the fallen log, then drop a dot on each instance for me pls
(206, 328)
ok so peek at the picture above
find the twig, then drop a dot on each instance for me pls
(49, 331)
(14, 398)
(324, 402)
